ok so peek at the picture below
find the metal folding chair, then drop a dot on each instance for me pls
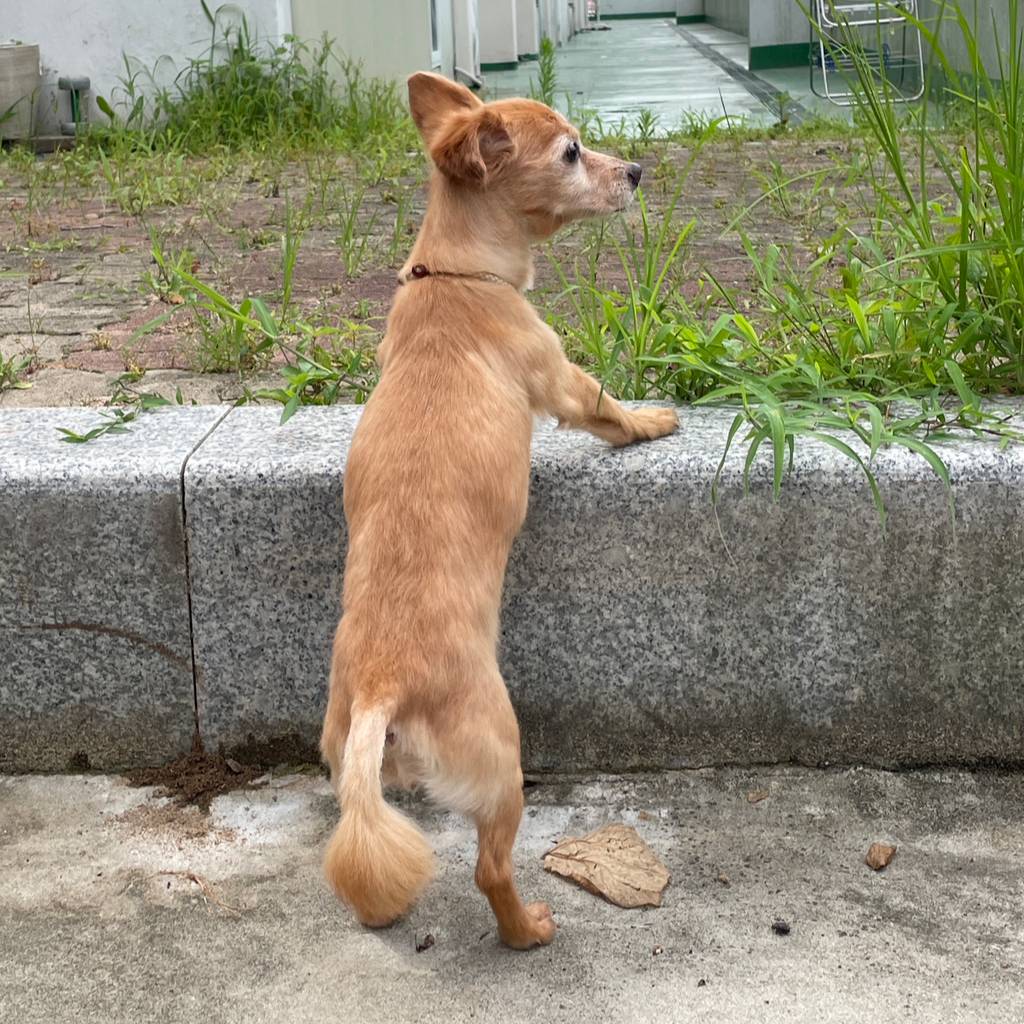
(878, 32)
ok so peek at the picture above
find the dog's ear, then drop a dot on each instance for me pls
(433, 99)
(471, 146)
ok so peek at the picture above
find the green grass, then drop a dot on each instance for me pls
(244, 94)
(244, 108)
(355, 230)
(893, 336)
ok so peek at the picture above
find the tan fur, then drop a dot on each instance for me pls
(435, 492)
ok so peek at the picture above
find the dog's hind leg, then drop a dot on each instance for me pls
(337, 719)
(519, 925)
(334, 735)
(481, 776)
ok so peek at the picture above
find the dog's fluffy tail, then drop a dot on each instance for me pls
(377, 861)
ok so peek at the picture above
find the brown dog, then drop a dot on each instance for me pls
(435, 492)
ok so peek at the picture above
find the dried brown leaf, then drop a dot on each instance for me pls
(879, 855)
(613, 862)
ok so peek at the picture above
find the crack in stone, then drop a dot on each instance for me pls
(124, 634)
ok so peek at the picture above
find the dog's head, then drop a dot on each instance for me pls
(520, 152)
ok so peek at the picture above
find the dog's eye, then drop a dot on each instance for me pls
(572, 153)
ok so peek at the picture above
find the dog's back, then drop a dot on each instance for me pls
(435, 491)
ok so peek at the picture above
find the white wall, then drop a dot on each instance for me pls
(555, 20)
(467, 37)
(689, 8)
(570, 12)
(390, 37)
(624, 7)
(527, 28)
(90, 39)
(774, 22)
(446, 35)
(568, 21)
(579, 15)
(498, 43)
(732, 15)
(980, 14)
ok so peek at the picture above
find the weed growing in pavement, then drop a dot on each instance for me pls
(355, 229)
(126, 405)
(545, 88)
(166, 282)
(13, 370)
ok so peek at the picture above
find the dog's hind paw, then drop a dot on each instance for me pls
(538, 929)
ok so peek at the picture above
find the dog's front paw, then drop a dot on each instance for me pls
(647, 424)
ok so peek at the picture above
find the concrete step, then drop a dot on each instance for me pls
(95, 635)
(642, 628)
(118, 906)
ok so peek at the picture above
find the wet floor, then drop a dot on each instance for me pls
(645, 64)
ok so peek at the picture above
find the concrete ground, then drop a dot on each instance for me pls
(634, 65)
(796, 83)
(115, 906)
(675, 71)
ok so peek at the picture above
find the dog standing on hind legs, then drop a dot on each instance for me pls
(435, 492)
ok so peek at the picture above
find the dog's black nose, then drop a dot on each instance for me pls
(633, 172)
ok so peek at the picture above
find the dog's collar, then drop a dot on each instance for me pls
(418, 271)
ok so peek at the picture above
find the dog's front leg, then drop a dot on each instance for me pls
(576, 400)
